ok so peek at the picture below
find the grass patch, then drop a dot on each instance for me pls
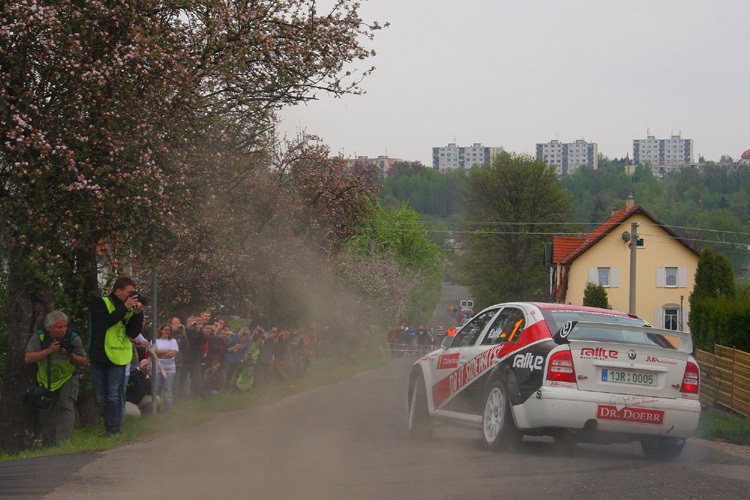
(323, 371)
(719, 425)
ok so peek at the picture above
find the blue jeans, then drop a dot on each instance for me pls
(109, 389)
(167, 386)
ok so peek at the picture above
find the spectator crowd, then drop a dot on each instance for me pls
(417, 340)
(204, 357)
(198, 359)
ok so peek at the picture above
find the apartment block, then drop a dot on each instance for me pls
(453, 156)
(568, 156)
(663, 152)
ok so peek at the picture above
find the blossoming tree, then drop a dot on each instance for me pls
(106, 108)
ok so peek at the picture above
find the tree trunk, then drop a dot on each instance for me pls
(28, 306)
(87, 408)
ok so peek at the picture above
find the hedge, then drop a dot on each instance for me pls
(720, 321)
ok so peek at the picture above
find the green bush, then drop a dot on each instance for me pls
(595, 296)
(720, 321)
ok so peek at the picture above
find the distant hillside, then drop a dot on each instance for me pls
(708, 206)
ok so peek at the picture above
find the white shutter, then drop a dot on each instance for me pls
(593, 277)
(683, 277)
(615, 277)
(660, 277)
(658, 320)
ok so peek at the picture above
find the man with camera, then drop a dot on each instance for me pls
(115, 319)
(58, 352)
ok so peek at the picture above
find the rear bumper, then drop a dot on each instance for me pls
(566, 408)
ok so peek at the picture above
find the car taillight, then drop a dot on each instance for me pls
(691, 379)
(560, 368)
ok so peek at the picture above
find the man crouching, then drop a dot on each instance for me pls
(61, 347)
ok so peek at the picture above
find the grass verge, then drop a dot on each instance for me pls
(323, 371)
(719, 425)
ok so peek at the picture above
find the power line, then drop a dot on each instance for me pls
(544, 233)
(509, 223)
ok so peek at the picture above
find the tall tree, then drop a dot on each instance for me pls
(705, 281)
(106, 109)
(724, 277)
(512, 207)
(397, 235)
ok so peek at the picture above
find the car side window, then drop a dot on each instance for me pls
(469, 334)
(506, 328)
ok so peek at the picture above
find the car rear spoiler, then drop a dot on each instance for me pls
(682, 341)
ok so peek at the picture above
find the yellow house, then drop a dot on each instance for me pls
(665, 267)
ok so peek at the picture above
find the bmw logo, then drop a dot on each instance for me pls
(631, 354)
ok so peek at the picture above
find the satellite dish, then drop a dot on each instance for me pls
(625, 236)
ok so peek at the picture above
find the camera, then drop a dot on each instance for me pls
(66, 344)
(141, 298)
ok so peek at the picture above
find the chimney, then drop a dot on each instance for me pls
(615, 210)
(629, 201)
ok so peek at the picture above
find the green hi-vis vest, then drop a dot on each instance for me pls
(61, 371)
(117, 345)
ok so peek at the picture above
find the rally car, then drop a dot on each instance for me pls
(579, 374)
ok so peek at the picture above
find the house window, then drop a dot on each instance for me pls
(670, 277)
(671, 319)
(603, 275)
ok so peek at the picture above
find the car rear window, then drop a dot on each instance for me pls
(557, 317)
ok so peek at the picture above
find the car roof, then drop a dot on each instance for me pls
(546, 306)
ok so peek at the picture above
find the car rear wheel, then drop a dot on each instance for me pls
(420, 423)
(662, 449)
(497, 422)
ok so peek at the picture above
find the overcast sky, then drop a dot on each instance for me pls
(515, 73)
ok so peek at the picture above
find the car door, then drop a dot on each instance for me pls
(448, 361)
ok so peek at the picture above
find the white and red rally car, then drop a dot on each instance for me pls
(579, 374)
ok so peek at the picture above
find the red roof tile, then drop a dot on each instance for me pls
(560, 256)
(603, 229)
(562, 246)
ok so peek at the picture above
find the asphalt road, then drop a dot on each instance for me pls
(349, 440)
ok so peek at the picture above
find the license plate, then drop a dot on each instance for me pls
(628, 377)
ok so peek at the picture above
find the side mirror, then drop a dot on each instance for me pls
(561, 337)
(446, 343)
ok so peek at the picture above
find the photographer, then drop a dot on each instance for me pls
(62, 348)
(115, 319)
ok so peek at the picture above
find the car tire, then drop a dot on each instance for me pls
(498, 429)
(662, 449)
(419, 420)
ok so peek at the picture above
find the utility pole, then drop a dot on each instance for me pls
(154, 333)
(633, 247)
(682, 298)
